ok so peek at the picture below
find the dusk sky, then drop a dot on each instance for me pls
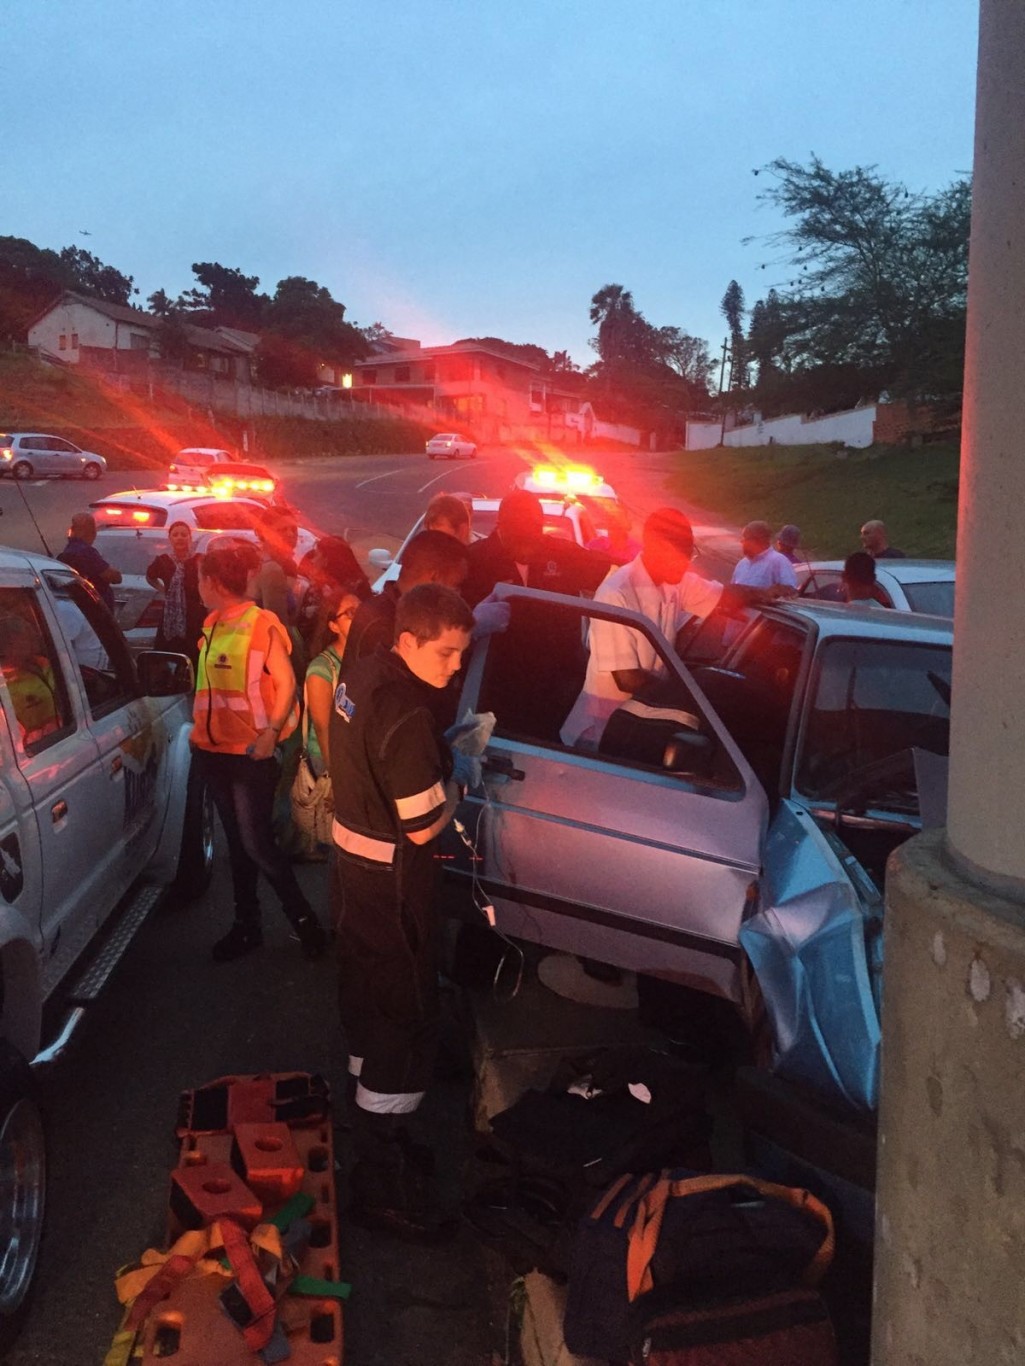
(465, 167)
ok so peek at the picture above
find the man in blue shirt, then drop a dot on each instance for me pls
(81, 554)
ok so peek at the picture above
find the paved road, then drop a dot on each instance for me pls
(372, 499)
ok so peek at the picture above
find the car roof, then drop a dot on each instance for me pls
(842, 619)
(14, 559)
(203, 450)
(168, 499)
(902, 571)
(551, 507)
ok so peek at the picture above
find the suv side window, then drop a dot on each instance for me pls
(103, 658)
(35, 688)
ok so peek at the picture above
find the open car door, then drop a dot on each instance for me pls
(645, 853)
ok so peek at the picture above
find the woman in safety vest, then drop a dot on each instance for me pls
(245, 703)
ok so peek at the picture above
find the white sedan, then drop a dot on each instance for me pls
(451, 446)
(908, 585)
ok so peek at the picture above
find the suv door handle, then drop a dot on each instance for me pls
(116, 765)
(59, 810)
(501, 766)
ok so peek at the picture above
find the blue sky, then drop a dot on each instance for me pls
(465, 167)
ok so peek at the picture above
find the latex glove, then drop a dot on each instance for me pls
(466, 770)
(490, 616)
(472, 733)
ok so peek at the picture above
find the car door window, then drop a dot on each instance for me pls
(825, 585)
(35, 687)
(535, 670)
(100, 652)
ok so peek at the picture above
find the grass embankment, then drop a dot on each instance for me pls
(830, 493)
(133, 432)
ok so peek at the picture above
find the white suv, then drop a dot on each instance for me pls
(99, 813)
(194, 463)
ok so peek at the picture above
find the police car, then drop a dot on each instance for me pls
(99, 814)
(564, 518)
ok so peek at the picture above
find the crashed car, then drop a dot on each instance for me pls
(731, 831)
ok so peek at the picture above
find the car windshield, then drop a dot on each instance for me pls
(555, 524)
(935, 598)
(872, 699)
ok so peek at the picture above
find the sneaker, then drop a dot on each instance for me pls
(312, 936)
(240, 940)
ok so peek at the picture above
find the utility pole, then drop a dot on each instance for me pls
(722, 370)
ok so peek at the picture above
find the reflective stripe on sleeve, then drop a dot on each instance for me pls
(254, 670)
(385, 1103)
(355, 1066)
(421, 803)
(362, 846)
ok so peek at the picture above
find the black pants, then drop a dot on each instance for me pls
(387, 941)
(243, 792)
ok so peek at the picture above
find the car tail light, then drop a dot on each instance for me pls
(152, 614)
(141, 517)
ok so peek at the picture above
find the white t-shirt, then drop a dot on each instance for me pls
(614, 647)
(764, 570)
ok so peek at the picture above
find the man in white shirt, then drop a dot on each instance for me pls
(761, 566)
(660, 585)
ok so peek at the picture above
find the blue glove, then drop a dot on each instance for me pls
(490, 616)
(466, 770)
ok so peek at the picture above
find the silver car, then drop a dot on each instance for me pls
(731, 831)
(28, 455)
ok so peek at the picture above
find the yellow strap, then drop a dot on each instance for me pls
(648, 1222)
(202, 1245)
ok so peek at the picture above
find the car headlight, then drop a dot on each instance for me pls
(6, 453)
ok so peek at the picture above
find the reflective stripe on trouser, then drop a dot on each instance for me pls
(387, 942)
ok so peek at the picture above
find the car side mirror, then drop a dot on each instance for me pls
(162, 674)
(688, 751)
(381, 559)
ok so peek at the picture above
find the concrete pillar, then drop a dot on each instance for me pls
(950, 1226)
(987, 751)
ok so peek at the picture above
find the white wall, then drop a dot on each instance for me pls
(93, 329)
(853, 428)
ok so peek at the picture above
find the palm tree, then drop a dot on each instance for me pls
(612, 308)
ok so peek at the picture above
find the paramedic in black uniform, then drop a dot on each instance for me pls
(394, 795)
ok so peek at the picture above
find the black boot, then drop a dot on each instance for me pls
(312, 935)
(388, 1188)
(242, 938)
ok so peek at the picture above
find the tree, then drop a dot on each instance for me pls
(732, 309)
(564, 364)
(525, 351)
(87, 274)
(161, 304)
(304, 314)
(880, 276)
(622, 335)
(376, 332)
(227, 297)
(686, 355)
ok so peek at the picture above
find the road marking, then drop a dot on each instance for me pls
(386, 474)
(441, 476)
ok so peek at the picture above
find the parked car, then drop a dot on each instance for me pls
(214, 511)
(564, 518)
(731, 832)
(28, 455)
(193, 462)
(99, 814)
(908, 585)
(138, 606)
(451, 446)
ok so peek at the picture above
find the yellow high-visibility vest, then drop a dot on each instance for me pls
(234, 692)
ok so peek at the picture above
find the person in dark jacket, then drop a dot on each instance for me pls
(176, 574)
(82, 555)
(518, 551)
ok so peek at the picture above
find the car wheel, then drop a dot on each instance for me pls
(22, 1190)
(430, 455)
(23, 470)
(91, 471)
(473, 453)
(196, 859)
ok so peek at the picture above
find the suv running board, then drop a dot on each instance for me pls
(100, 967)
